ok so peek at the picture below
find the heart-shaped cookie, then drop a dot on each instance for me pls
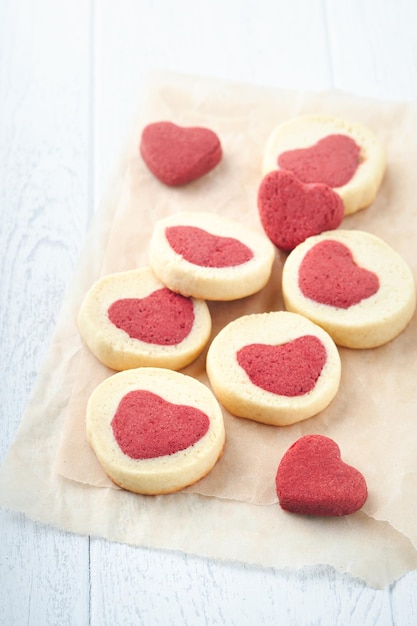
(333, 161)
(290, 369)
(210, 256)
(275, 368)
(131, 319)
(352, 284)
(202, 248)
(290, 211)
(154, 430)
(146, 426)
(312, 479)
(177, 155)
(328, 274)
(344, 154)
(164, 317)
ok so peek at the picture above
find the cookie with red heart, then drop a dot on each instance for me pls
(177, 155)
(352, 284)
(210, 256)
(130, 319)
(346, 156)
(312, 479)
(276, 368)
(290, 211)
(153, 430)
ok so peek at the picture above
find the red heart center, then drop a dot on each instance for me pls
(328, 274)
(333, 160)
(198, 246)
(146, 426)
(163, 317)
(312, 479)
(291, 211)
(178, 155)
(290, 369)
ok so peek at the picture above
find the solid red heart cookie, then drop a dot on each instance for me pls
(290, 369)
(333, 161)
(163, 317)
(146, 426)
(290, 211)
(312, 479)
(202, 248)
(177, 155)
(329, 274)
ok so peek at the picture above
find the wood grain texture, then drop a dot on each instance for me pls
(44, 156)
(372, 48)
(44, 574)
(160, 588)
(45, 183)
(70, 76)
(229, 40)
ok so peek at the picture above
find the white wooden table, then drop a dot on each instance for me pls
(70, 76)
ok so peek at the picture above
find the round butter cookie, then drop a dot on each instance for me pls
(353, 285)
(153, 430)
(130, 319)
(322, 149)
(276, 368)
(209, 256)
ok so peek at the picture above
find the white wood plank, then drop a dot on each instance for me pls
(44, 165)
(44, 575)
(272, 43)
(373, 47)
(404, 599)
(374, 53)
(44, 151)
(49, 191)
(277, 45)
(159, 588)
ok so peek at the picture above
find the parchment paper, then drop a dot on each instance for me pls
(233, 512)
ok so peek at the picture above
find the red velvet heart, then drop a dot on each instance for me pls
(177, 155)
(146, 426)
(163, 317)
(198, 246)
(312, 479)
(333, 161)
(328, 274)
(289, 369)
(291, 211)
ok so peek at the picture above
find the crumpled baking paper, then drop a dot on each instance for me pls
(52, 475)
